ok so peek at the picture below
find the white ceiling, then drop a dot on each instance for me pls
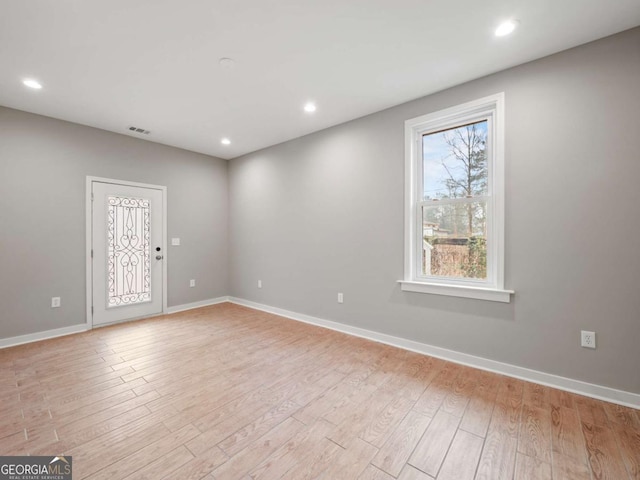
(155, 63)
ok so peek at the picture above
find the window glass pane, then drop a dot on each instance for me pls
(455, 162)
(455, 240)
(128, 252)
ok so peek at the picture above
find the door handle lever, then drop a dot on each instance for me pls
(159, 257)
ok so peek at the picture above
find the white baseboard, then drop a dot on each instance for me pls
(201, 303)
(600, 392)
(59, 332)
(612, 395)
(35, 337)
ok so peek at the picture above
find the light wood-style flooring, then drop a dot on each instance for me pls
(227, 392)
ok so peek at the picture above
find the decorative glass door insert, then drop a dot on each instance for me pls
(128, 251)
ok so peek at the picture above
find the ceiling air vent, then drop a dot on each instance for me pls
(139, 130)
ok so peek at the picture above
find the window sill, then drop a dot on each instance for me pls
(490, 294)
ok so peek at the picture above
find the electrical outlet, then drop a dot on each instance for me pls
(192, 283)
(55, 302)
(588, 339)
(340, 298)
(259, 283)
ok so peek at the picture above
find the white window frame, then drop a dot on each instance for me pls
(489, 108)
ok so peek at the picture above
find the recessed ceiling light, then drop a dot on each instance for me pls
(505, 28)
(310, 107)
(227, 63)
(225, 141)
(29, 82)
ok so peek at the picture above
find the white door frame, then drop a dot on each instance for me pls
(89, 240)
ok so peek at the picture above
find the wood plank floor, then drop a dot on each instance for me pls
(227, 392)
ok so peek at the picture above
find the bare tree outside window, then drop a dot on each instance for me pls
(454, 222)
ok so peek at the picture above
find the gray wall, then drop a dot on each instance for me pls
(324, 214)
(43, 168)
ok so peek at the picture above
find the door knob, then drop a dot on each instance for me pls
(158, 257)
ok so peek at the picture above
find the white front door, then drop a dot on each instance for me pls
(127, 251)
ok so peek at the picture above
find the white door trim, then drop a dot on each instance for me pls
(89, 239)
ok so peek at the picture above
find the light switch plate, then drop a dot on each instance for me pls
(175, 242)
